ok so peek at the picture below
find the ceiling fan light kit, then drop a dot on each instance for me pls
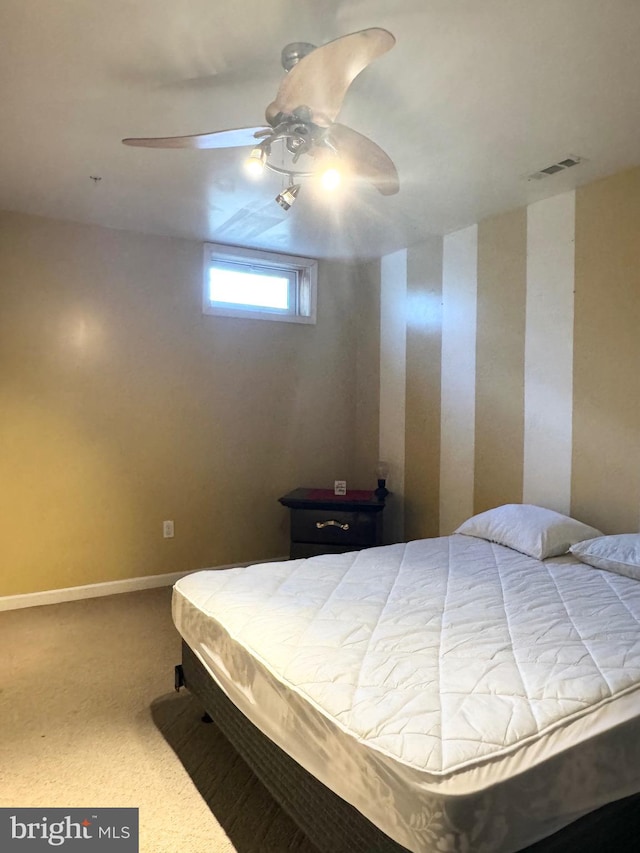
(301, 120)
(331, 178)
(287, 197)
(255, 162)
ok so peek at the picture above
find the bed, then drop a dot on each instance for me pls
(449, 694)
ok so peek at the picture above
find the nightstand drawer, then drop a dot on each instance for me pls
(330, 527)
(324, 523)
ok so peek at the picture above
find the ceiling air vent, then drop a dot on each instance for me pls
(554, 168)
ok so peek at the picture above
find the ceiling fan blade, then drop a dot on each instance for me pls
(365, 159)
(320, 80)
(217, 139)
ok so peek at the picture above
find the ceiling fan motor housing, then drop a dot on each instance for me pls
(294, 52)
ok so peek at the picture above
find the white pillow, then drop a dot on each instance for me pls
(532, 530)
(620, 554)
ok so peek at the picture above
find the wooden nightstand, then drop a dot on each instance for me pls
(324, 523)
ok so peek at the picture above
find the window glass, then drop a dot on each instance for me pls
(259, 285)
(261, 289)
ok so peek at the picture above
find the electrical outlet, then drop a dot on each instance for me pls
(167, 529)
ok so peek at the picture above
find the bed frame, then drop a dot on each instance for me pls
(334, 826)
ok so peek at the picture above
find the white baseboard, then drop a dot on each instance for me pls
(94, 590)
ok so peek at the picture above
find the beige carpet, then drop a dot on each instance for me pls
(88, 717)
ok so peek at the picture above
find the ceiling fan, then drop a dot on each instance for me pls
(302, 120)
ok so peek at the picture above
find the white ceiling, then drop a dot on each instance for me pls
(475, 96)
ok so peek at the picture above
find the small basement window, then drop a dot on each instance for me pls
(259, 285)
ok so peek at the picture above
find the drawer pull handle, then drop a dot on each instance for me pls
(331, 523)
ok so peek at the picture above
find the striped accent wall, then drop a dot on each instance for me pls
(517, 339)
(423, 384)
(393, 365)
(548, 353)
(499, 390)
(458, 401)
(605, 471)
(538, 357)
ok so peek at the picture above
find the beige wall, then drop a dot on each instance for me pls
(122, 405)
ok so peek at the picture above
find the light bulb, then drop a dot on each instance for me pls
(254, 164)
(331, 178)
(287, 197)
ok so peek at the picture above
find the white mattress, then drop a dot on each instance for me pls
(460, 694)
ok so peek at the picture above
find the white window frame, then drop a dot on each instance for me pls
(303, 283)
